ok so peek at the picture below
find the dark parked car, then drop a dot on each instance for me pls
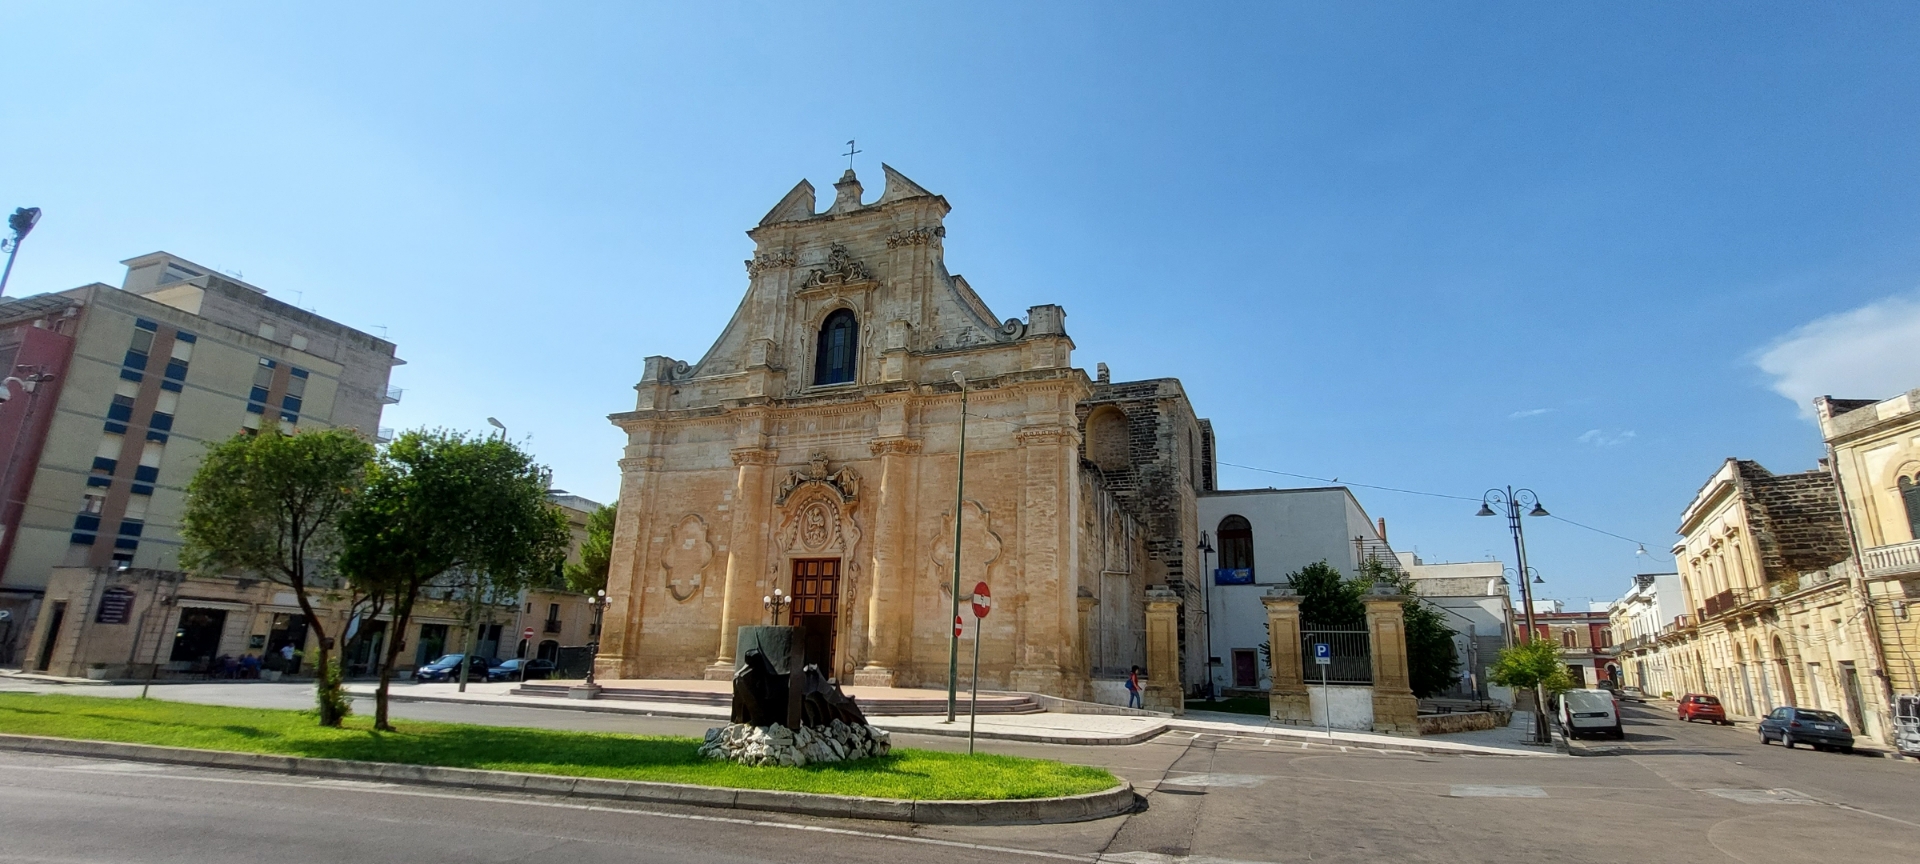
(447, 668)
(1699, 706)
(1630, 694)
(1822, 729)
(510, 670)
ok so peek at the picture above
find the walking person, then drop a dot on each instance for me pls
(1133, 688)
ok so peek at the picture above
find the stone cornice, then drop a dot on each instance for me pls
(754, 456)
(1030, 436)
(893, 446)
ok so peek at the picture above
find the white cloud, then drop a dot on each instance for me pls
(1599, 438)
(1864, 353)
(1530, 412)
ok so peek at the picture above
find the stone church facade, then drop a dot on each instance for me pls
(814, 449)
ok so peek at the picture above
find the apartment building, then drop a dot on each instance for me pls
(1875, 452)
(113, 394)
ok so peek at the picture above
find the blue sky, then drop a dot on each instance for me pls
(1590, 249)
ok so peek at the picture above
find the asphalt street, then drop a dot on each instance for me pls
(1671, 793)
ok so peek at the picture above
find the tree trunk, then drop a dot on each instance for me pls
(323, 679)
(402, 612)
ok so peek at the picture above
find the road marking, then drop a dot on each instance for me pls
(1231, 781)
(1470, 791)
(1763, 796)
(1160, 858)
(596, 808)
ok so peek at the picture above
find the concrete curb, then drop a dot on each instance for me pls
(1034, 811)
(721, 718)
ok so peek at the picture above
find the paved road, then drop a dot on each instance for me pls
(1676, 794)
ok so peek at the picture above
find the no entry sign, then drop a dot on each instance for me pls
(956, 625)
(527, 633)
(982, 600)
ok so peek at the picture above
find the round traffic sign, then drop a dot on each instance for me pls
(956, 625)
(527, 633)
(982, 600)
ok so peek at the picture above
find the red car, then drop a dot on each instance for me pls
(1698, 706)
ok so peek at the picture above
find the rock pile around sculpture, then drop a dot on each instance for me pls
(777, 745)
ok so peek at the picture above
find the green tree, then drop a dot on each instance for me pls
(1534, 664)
(1433, 664)
(438, 504)
(1328, 599)
(589, 574)
(1533, 667)
(269, 505)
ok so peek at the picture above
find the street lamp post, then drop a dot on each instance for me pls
(775, 603)
(1511, 500)
(31, 384)
(959, 493)
(498, 425)
(1206, 613)
(598, 603)
(22, 222)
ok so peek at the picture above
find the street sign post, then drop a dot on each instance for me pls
(1323, 656)
(982, 604)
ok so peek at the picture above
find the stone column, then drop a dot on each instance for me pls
(889, 614)
(1163, 689)
(1049, 550)
(1395, 711)
(744, 554)
(1287, 702)
(626, 593)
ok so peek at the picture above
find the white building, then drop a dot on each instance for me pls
(1475, 601)
(1648, 609)
(1259, 537)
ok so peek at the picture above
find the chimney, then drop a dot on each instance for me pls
(1383, 529)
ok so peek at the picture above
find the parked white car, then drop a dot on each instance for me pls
(1590, 712)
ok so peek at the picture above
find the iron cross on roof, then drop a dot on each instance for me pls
(849, 154)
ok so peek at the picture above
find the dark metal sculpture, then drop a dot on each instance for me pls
(823, 702)
(759, 691)
(763, 696)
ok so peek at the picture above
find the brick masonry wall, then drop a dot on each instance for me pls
(1796, 520)
(1158, 487)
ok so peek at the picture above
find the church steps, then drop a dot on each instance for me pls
(872, 707)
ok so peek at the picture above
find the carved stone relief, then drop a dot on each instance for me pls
(917, 237)
(779, 259)
(840, 269)
(843, 482)
(979, 548)
(687, 556)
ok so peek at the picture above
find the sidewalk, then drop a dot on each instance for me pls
(1044, 728)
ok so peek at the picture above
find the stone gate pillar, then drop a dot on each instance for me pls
(744, 554)
(1395, 711)
(1163, 689)
(1287, 702)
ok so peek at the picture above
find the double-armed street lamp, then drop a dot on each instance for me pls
(1511, 502)
(22, 222)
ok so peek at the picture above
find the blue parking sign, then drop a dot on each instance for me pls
(1322, 654)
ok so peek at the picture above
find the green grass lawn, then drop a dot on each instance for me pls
(1256, 705)
(913, 774)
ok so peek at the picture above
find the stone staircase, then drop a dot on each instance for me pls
(883, 707)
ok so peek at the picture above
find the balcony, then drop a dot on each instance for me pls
(551, 625)
(1891, 562)
(383, 435)
(392, 396)
(1718, 604)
